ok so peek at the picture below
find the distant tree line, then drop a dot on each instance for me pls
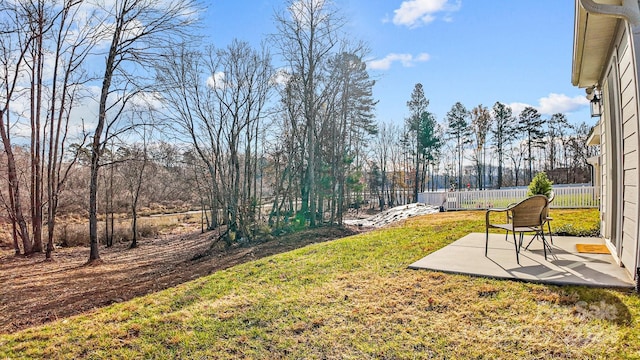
(259, 148)
(480, 148)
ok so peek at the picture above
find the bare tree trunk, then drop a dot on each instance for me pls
(14, 224)
(12, 202)
(108, 208)
(59, 117)
(155, 28)
(22, 230)
(36, 107)
(134, 204)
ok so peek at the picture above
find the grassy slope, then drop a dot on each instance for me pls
(353, 299)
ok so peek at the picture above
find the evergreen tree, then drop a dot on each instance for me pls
(418, 108)
(531, 126)
(429, 142)
(459, 131)
(502, 130)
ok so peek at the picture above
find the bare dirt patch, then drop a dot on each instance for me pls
(34, 291)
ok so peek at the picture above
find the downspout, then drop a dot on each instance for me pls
(629, 10)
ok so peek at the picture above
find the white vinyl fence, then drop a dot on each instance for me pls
(565, 197)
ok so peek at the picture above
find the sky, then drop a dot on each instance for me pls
(475, 52)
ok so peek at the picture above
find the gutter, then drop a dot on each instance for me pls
(629, 10)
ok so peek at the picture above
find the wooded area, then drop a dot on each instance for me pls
(108, 109)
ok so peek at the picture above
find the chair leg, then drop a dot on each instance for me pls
(550, 235)
(515, 242)
(486, 242)
(533, 238)
(545, 245)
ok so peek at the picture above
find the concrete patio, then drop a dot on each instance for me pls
(564, 266)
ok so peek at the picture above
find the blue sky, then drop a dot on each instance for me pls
(475, 52)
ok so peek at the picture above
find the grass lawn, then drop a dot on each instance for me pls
(354, 298)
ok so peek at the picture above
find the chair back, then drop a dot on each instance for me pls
(529, 211)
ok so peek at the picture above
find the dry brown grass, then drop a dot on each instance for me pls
(353, 298)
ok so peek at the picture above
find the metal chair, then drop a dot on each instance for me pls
(546, 219)
(525, 216)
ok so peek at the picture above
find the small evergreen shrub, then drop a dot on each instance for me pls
(540, 185)
(571, 230)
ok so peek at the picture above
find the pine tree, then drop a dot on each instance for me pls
(531, 125)
(418, 107)
(503, 129)
(460, 131)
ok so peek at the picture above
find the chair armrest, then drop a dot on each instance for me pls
(509, 206)
(493, 210)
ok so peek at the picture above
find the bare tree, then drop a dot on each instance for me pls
(240, 87)
(381, 150)
(556, 130)
(38, 24)
(221, 118)
(307, 33)
(517, 154)
(134, 173)
(501, 132)
(190, 102)
(72, 47)
(139, 30)
(286, 154)
(481, 123)
(17, 42)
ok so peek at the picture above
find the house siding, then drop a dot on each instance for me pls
(629, 116)
(605, 224)
(619, 150)
(611, 48)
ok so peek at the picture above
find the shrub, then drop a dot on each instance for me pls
(78, 234)
(147, 230)
(540, 185)
(571, 230)
(72, 235)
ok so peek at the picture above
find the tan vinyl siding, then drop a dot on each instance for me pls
(630, 192)
(629, 130)
(629, 116)
(604, 171)
(630, 159)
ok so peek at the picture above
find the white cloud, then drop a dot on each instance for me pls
(552, 104)
(150, 100)
(517, 108)
(280, 77)
(414, 13)
(561, 103)
(216, 81)
(301, 11)
(422, 57)
(407, 60)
